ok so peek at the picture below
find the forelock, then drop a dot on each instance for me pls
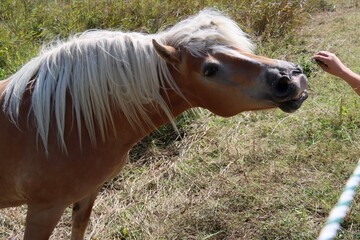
(200, 33)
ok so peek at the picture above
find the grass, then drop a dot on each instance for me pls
(259, 175)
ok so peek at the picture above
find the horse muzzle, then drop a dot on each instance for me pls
(294, 104)
(288, 88)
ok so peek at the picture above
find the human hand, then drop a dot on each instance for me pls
(330, 63)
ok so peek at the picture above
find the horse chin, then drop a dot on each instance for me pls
(293, 105)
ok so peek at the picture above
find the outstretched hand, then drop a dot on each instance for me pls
(330, 63)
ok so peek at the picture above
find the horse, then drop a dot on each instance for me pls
(72, 113)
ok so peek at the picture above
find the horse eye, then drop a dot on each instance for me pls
(210, 69)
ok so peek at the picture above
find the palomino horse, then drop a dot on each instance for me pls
(71, 114)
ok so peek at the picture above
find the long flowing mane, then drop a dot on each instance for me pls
(102, 70)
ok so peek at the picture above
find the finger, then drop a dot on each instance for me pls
(320, 60)
(321, 63)
(324, 53)
(320, 57)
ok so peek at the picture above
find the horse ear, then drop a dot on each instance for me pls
(168, 53)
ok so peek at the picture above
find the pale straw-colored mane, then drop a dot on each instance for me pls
(106, 71)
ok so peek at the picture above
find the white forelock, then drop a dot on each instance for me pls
(101, 69)
(206, 29)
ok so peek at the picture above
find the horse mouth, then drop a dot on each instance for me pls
(294, 104)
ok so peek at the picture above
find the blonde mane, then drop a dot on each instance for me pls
(100, 70)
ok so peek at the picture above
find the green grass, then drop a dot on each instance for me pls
(259, 175)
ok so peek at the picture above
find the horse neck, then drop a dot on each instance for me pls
(176, 103)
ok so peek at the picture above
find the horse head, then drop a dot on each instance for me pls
(227, 81)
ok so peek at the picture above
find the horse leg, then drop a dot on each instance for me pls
(41, 221)
(81, 215)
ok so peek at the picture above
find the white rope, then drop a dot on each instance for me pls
(341, 208)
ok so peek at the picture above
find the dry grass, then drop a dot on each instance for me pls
(259, 175)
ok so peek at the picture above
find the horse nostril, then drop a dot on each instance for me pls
(282, 87)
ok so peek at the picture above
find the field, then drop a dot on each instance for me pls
(259, 175)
